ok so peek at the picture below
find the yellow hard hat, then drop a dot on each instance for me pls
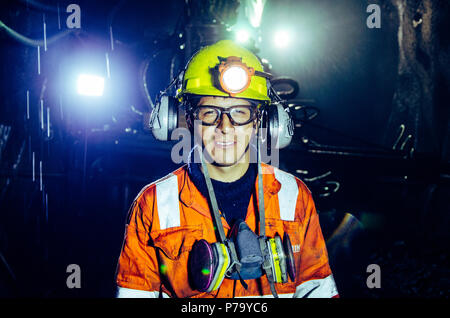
(225, 69)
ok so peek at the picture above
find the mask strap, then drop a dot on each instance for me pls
(217, 219)
(212, 198)
(262, 222)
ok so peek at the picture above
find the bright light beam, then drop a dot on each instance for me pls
(90, 85)
(242, 36)
(282, 39)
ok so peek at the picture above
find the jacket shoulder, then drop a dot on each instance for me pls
(148, 190)
(293, 191)
(281, 174)
(143, 203)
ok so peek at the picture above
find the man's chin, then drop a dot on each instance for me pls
(224, 163)
(226, 158)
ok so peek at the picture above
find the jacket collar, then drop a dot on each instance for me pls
(191, 197)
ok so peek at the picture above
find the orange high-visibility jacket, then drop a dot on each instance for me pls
(169, 215)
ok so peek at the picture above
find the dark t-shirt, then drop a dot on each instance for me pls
(232, 197)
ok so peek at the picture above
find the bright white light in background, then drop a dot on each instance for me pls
(242, 36)
(255, 9)
(90, 85)
(282, 38)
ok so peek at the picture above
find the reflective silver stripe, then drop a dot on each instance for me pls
(168, 203)
(287, 196)
(317, 288)
(136, 293)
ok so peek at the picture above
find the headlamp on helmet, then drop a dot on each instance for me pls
(234, 75)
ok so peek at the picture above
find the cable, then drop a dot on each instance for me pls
(306, 117)
(144, 82)
(327, 194)
(317, 177)
(308, 120)
(286, 94)
(350, 137)
(24, 40)
(402, 130)
(113, 12)
(39, 6)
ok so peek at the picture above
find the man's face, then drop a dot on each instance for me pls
(226, 144)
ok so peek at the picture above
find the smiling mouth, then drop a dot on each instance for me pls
(224, 144)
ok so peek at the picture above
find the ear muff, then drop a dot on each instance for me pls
(280, 126)
(282, 258)
(164, 117)
(208, 264)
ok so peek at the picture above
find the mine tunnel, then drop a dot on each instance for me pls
(366, 84)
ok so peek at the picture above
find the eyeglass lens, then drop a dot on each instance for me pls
(239, 114)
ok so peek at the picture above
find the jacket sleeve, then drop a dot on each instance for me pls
(316, 278)
(137, 273)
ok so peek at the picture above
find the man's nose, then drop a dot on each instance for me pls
(225, 124)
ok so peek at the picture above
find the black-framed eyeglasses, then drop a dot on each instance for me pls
(238, 115)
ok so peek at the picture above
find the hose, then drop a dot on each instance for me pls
(27, 41)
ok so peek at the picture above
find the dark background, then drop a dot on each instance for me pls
(376, 154)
